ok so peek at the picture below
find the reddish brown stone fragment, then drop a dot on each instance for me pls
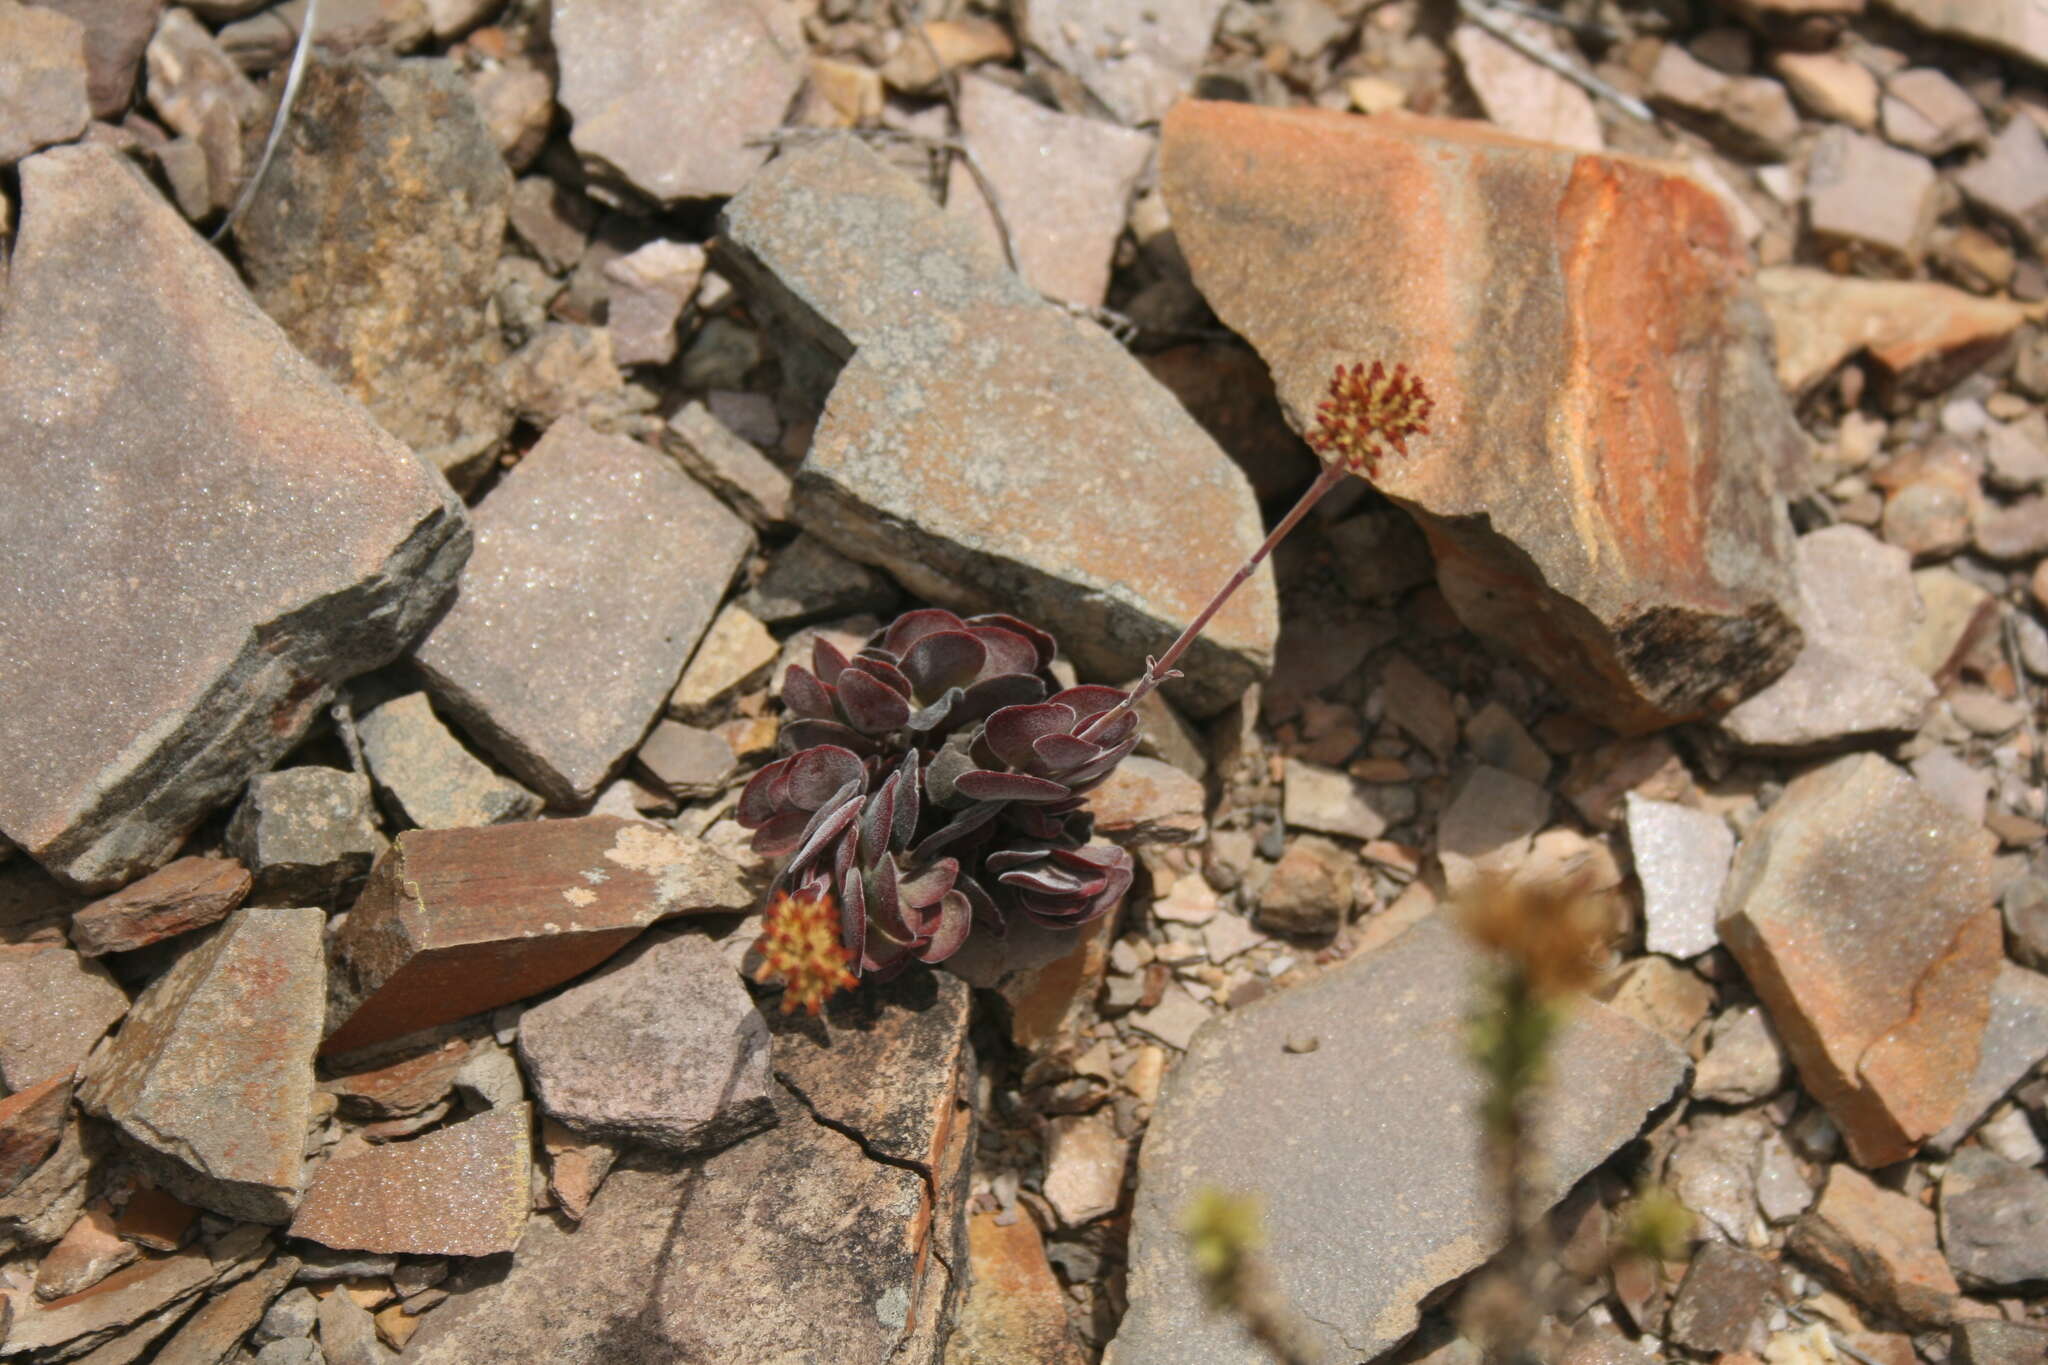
(189, 894)
(87, 1254)
(1879, 1248)
(459, 1191)
(1014, 1308)
(156, 1220)
(457, 921)
(31, 1121)
(403, 1087)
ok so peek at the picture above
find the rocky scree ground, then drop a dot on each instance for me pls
(400, 593)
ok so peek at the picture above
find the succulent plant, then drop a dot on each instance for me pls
(936, 780)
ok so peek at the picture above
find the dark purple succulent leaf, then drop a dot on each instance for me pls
(983, 785)
(877, 820)
(1008, 652)
(912, 626)
(1114, 732)
(853, 900)
(1057, 754)
(942, 660)
(942, 771)
(826, 659)
(987, 913)
(780, 834)
(1091, 774)
(831, 821)
(1042, 644)
(1011, 731)
(903, 820)
(929, 719)
(853, 927)
(885, 906)
(803, 695)
(766, 795)
(1089, 699)
(803, 736)
(844, 854)
(959, 830)
(928, 885)
(956, 917)
(817, 775)
(883, 669)
(870, 705)
(991, 695)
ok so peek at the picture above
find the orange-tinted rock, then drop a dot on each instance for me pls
(1014, 1310)
(1599, 482)
(1860, 909)
(155, 1219)
(1923, 336)
(31, 1121)
(109, 1308)
(92, 1250)
(406, 1086)
(457, 921)
(1879, 1248)
(188, 894)
(459, 1191)
(983, 449)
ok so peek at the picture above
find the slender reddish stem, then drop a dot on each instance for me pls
(1157, 670)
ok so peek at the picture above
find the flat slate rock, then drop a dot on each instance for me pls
(375, 246)
(180, 476)
(2015, 1040)
(455, 922)
(598, 566)
(54, 1005)
(1366, 1150)
(1637, 552)
(662, 1046)
(979, 445)
(462, 1190)
(1136, 56)
(426, 778)
(1860, 909)
(188, 894)
(211, 1077)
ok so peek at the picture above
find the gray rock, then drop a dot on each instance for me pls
(598, 566)
(1331, 802)
(943, 457)
(1744, 1062)
(1712, 1170)
(1853, 678)
(116, 31)
(381, 282)
(48, 1200)
(687, 762)
(1390, 1084)
(1926, 112)
(264, 41)
(292, 1315)
(304, 834)
(1725, 1301)
(671, 97)
(2008, 26)
(2011, 182)
(332, 551)
(663, 1046)
(2015, 1041)
(1749, 116)
(1681, 857)
(54, 1005)
(43, 91)
(291, 1351)
(1782, 1189)
(211, 1078)
(650, 287)
(1135, 57)
(1872, 202)
(1487, 824)
(552, 219)
(1982, 1342)
(1994, 1221)
(490, 1078)
(730, 467)
(810, 581)
(1499, 740)
(1064, 185)
(425, 776)
(348, 1334)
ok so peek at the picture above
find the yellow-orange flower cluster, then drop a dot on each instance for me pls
(1368, 411)
(800, 947)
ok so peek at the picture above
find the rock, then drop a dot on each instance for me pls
(1062, 517)
(552, 219)
(1725, 1301)
(1868, 204)
(1878, 1248)
(83, 1256)
(212, 1334)
(662, 1046)
(54, 1005)
(332, 554)
(1830, 86)
(1926, 112)
(1859, 908)
(1744, 1061)
(2018, 531)
(1712, 1171)
(834, 1234)
(734, 653)
(1659, 995)
(489, 1077)
(947, 44)
(1522, 96)
(1952, 780)
(1590, 586)
(115, 35)
(1782, 1192)
(43, 79)
(672, 99)
(1174, 1020)
(1749, 116)
(454, 922)
(348, 1334)
(50, 1197)
(71, 1326)
(1136, 58)
(2015, 1041)
(1311, 889)
(1084, 1167)
(564, 370)
(2012, 27)
(211, 1078)
(810, 581)
(1498, 740)
(577, 1166)
(1147, 801)
(1994, 1221)
(650, 288)
(402, 1087)
(2016, 454)
(188, 894)
(1014, 1309)
(462, 1190)
(612, 561)
(198, 91)
(31, 1122)
(1853, 677)
(1332, 802)
(380, 280)
(305, 833)
(730, 467)
(426, 778)
(1063, 184)
(1984, 1342)
(1487, 824)
(1921, 336)
(1681, 857)
(1241, 1112)
(1956, 615)
(265, 41)
(1928, 515)
(517, 104)
(2011, 182)
(686, 762)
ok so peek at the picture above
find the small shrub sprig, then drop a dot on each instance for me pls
(937, 779)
